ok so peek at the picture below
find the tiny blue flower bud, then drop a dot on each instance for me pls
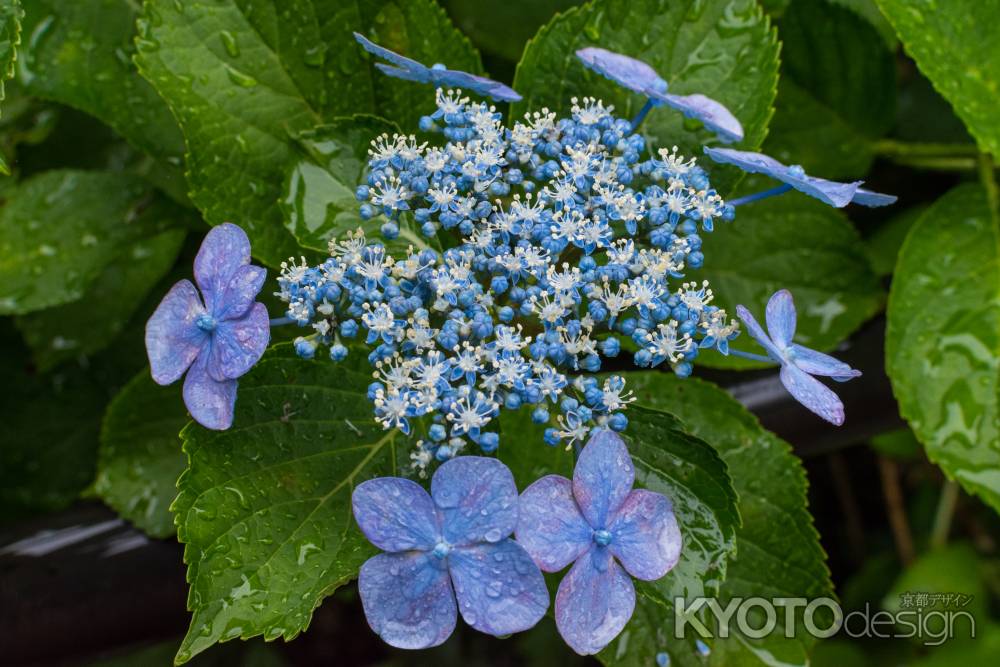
(540, 415)
(338, 352)
(617, 421)
(488, 442)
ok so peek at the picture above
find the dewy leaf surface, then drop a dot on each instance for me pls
(837, 91)
(92, 322)
(140, 456)
(80, 54)
(792, 242)
(264, 508)
(777, 548)
(954, 44)
(61, 228)
(725, 49)
(244, 79)
(943, 337)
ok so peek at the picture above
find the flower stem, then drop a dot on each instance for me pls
(643, 112)
(891, 148)
(280, 321)
(750, 355)
(780, 190)
(945, 511)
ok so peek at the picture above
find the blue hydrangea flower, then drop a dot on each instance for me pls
(216, 336)
(830, 192)
(438, 75)
(798, 363)
(609, 529)
(452, 544)
(643, 79)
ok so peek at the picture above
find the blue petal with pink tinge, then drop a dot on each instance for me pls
(833, 193)
(603, 477)
(550, 525)
(438, 75)
(645, 537)
(477, 499)
(395, 514)
(407, 599)
(594, 602)
(499, 589)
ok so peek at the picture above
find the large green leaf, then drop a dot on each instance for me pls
(91, 323)
(954, 44)
(943, 337)
(10, 38)
(797, 243)
(61, 228)
(837, 90)
(725, 49)
(264, 508)
(884, 243)
(503, 28)
(319, 202)
(244, 79)
(777, 548)
(670, 461)
(80, 54)
(140, 455)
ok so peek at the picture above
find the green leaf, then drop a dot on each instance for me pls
(265, 508)
(777, 548)
(943, 337)
(837, 90)
(868, 10)
(954, 44)
(91, 323)
(884, 243)
(725, 49)
(80, 54)
(61, 228)
(797, 243)
(10, 38)
(503, 28)
(319, 202)
(667, 460)
(243, 83)
(140, 455)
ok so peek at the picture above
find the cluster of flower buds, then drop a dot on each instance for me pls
(564, 245)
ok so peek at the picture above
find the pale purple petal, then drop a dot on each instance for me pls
(408, 599)
(225, 249)
(173, 341)
(478, 84)
(780, 316)
(499, 588)
(393, 57)
(477, 499)
(873, 199)
(405, 74)
(603, 477)
(594, 602)
(714, 115)
(645, 537)
(238, 344)
(757, 332)
(628, 72)
(829, 192)
(209, 401)
(813, 394)
(550, 526)
(395, 514)
(817, 363)
(240, 293)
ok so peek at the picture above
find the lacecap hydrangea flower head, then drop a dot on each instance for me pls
(509, 262)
